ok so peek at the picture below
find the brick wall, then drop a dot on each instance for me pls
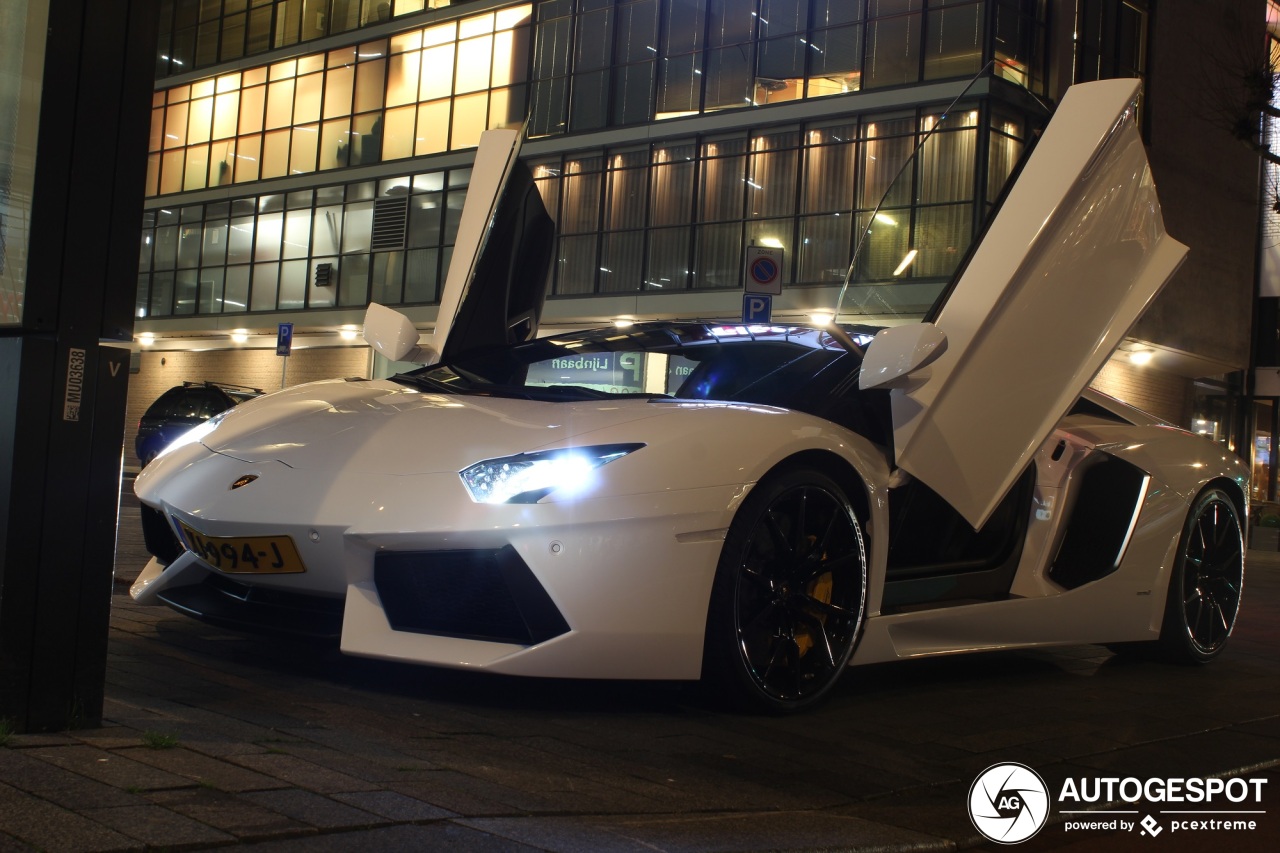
(259, 368)
(1165, 395)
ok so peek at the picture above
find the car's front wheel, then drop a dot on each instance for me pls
(790, 593)
(1204, 590)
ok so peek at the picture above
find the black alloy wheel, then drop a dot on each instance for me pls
(1204, 590)
(789, 598)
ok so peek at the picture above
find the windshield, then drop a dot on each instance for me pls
(756, 364)
(919, 194)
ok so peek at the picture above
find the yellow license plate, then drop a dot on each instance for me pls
(261, 555)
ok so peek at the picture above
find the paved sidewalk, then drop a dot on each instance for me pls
(215, 739)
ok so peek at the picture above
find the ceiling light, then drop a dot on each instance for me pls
(348, 332)
(1141, 356)
(906, 262)
(623, 323)
(146, 339)
(821, 318)
(239, 335)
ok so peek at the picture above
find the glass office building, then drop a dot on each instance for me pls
(316, 154)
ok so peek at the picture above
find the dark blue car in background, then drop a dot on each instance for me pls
(181, 408)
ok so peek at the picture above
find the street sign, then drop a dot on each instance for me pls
(757, 308)
(284, 339)
(764, 270)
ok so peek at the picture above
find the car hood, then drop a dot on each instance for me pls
(384, 427)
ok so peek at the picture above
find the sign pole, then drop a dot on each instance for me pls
(284, 344)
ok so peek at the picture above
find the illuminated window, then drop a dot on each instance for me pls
(624, 215)
(419, 92)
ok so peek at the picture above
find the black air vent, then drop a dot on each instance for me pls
(158, 536)
(1102, 517)
(390, 221)
(482, 595)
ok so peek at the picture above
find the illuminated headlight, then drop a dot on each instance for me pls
(528, 477)
(196, 433)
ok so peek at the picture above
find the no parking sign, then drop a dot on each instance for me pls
(764, 270)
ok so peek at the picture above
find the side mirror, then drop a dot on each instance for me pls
(899, 351)
(393, 335)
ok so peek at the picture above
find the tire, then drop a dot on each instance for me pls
(1206, 582)
(789, 597)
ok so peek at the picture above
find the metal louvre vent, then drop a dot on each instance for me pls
(390, 223)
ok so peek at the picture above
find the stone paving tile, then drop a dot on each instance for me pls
(189, 723)
(158, 827)
(49, 827)
(720, 783)
(9, 844)
(201, 769)
(109, 768)
(433, 837)
(24, 770)
(26, 741)
(603, 785)
(541, 794)
(707, 833)
(1266, 727)
(394, 806)
(229, 813)
(110, 736)
(458, 793)
(314, 810)
(1210, 752)
(304, 774)
(388, 765)
(1074, 746)
(939, 811)
(371, 743)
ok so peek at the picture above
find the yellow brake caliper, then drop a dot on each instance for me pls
(820, 589)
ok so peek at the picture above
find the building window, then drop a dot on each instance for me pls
(423, 91)
(197, 34)
(631, 61)
(1111, 39)
(662, 217)
(641, 219)
(261, 253)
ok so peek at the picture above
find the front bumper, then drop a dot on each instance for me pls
(603, 587)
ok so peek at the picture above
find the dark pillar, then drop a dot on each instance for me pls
(62, 385)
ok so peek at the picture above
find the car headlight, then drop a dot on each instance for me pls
(196, 433)
(529, 477)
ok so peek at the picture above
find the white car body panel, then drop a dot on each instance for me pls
(634, 555)
(1125, 606)
(499, 146)
(1075, 254)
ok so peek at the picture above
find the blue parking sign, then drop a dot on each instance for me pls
(284, 339)
(757, 308)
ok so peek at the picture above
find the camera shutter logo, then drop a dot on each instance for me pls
(1008, 803)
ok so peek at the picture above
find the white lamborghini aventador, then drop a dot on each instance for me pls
(760, 506)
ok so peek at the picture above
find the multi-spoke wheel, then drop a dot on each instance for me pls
(790, 593)
(1204, 591)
